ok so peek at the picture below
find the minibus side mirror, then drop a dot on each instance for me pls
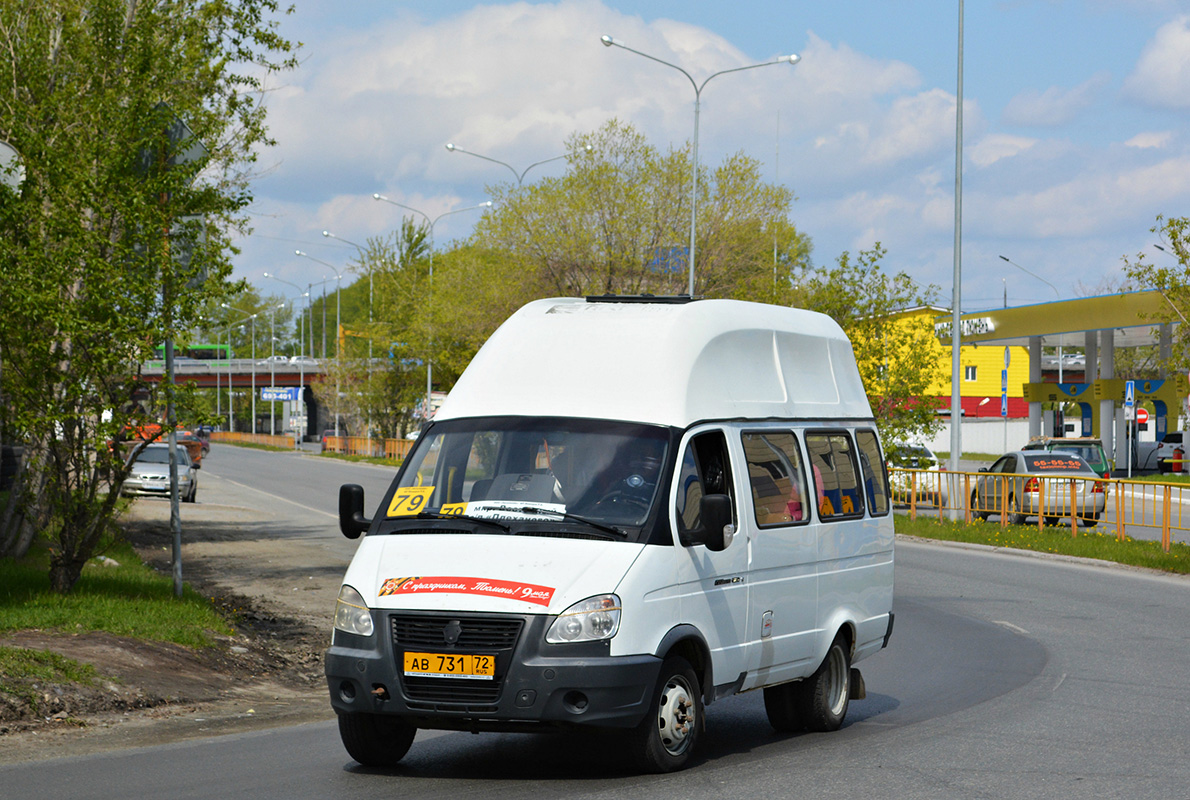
(352, 521)
(716, 531)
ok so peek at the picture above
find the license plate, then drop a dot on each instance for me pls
(441, 665)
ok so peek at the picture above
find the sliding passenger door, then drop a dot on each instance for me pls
(783, 582)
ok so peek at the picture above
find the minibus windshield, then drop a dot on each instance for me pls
(515, 469)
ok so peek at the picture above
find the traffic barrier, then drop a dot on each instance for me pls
(253, 438)
(1164, 507)
(394, 449)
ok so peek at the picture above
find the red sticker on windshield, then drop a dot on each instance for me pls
(511, 590)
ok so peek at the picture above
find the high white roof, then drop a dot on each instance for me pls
(664, 363)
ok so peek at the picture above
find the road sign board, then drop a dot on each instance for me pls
(278, 393)
(1142, 416)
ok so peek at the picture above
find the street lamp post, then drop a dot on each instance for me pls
(300, 407)
(338, 324)
(272, 371)
(520, 176)
(791, 59)
(360, 251)
(1056, 293)
(230, 325)
(430, 292)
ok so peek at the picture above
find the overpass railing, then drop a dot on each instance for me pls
(1163, 507)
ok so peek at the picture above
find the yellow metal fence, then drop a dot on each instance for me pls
(395, 449)
(1160, 506)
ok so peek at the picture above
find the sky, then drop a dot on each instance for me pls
(1076, 124)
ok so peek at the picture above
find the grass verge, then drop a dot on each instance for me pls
(395, 463)
(23, 671)
(125, 598)
(1090, 542)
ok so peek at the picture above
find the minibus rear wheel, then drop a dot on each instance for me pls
(375, 740)
(670, 731)
(824, 696)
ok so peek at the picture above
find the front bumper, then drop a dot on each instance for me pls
(152, 488)
(537, 685)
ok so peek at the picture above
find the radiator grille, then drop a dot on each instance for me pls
(482, 633)
(495, 635)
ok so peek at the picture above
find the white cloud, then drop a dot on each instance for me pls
(994, 147)
(1161, 77)
(1152, 140)
(1088, 203)
(1055, 106)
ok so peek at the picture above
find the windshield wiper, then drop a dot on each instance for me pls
(599, 526)
(464, 517)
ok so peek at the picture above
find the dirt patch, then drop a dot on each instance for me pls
(279, 597)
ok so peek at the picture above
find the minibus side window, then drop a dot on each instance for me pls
(875, 478)
(777, 478)
(705, 469)
(836, 475)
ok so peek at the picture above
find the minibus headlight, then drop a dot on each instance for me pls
(351, 614)
(587, 621)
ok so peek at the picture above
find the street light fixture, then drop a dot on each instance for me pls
(230, 405)
(360, 250)
(430, 293)
(338, 324)
(791, 59)
(520, 176)
(1056, 292)
(272, 371)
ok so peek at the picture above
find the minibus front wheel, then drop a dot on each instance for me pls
(375, 740)
(670, 731)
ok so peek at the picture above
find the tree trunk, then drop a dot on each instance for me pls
(64, 573)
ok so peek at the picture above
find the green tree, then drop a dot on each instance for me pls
(121, 230)
(1172, 280)
(896, 371)
(618, 222)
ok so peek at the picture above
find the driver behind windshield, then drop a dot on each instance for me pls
(599, 471)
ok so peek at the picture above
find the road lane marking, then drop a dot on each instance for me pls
(1011, 627)
(277, 497)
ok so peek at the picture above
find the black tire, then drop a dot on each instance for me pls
(975, 512)
(1051, 521)
(781, 706)
(823, 697)
(1089, 521)
(189, 498)
(376, 740)
(1015, 517)
(670, 731)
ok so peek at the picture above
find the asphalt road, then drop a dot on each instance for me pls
(1007, 676)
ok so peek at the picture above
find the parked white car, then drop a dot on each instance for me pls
(1170, 450)
(930, 482)
(150, 474)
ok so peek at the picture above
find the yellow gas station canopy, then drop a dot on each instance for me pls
(1135, 316)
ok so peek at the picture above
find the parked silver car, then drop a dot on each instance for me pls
(1016, 483)
(150, 474)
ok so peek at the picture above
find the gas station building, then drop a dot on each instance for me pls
(1099, 325)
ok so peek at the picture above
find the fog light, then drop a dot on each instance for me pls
(347, 692)
(575, 702)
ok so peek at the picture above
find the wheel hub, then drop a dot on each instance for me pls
(676, 716)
